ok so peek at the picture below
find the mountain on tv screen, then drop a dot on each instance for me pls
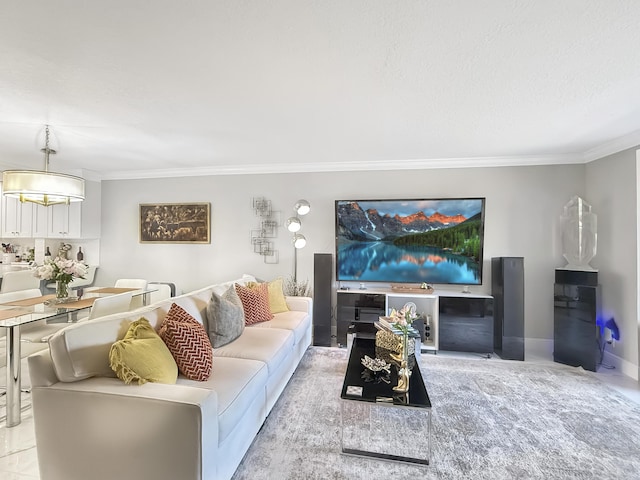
(433, 241)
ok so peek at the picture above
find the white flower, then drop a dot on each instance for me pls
(44, 272)
(60, 269)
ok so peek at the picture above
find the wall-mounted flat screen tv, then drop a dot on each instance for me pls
(433, 241)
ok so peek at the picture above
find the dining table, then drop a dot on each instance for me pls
(18, 313)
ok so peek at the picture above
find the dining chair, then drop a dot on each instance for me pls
(139, 283)
(19, 280)
(19, 295)
(120, 302)
(131, 283)
(161, 291)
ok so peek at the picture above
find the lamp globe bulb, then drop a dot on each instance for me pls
(302, 207)
(294, 224)
(299, 241)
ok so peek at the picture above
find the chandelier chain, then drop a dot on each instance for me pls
(46, 149)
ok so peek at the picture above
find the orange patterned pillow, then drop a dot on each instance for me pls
(188, 342)
(255, 302)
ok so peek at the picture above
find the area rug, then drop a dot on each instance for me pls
(492, 419)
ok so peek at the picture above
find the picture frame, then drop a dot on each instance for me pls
(175, 222)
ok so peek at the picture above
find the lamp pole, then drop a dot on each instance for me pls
(295, 265)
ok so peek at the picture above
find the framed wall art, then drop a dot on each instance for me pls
(175, 223)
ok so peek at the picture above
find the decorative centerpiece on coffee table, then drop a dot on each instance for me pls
(375, 370)
(399, 323)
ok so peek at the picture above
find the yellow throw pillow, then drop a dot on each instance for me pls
(277, 302)
(142, 356)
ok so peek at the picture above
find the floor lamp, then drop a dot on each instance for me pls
(294, 224)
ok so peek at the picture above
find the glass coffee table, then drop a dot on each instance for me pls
(377, 421)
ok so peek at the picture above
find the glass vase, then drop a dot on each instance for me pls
(62, 290)
(403, 371)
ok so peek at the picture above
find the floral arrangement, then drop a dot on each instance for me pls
(403, 319)
(60, 270)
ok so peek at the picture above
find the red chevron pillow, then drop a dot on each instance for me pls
(255, 302)
(188, 342)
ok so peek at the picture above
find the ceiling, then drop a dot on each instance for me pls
(137, 88)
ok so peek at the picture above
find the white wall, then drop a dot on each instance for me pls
(523, 206)
(611, 188)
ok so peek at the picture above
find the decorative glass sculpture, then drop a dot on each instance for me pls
(579, 234)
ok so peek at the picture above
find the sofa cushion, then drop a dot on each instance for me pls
(237, 382)
(141, 356)
(255, 303)
(195, 304)
(297, 322)
(188, 343)
(269, 345)
(225, 317)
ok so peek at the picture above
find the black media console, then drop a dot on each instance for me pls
(466, 324)
(455, 321)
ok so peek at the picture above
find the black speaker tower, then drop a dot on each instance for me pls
(322, 274)
(507, 289)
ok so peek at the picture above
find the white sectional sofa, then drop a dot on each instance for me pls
(91, 425)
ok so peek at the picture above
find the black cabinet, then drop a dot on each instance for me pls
(462, 323)
(360, 309)
(507, 289)
(466, 324)
(576, 308)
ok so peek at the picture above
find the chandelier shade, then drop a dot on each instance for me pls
(43, 187)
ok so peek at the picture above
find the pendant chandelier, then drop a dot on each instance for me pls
(43, 187)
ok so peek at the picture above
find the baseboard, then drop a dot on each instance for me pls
(536, 349)
(620, 364)
(541, 349)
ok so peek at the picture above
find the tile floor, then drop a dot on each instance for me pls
(18, 458)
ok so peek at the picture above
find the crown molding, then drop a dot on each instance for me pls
(616, 145)
(411, 164)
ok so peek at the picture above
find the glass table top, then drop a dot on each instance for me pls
(22, 312)
(360, 384)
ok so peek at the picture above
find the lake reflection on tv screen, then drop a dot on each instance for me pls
(385, 262)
